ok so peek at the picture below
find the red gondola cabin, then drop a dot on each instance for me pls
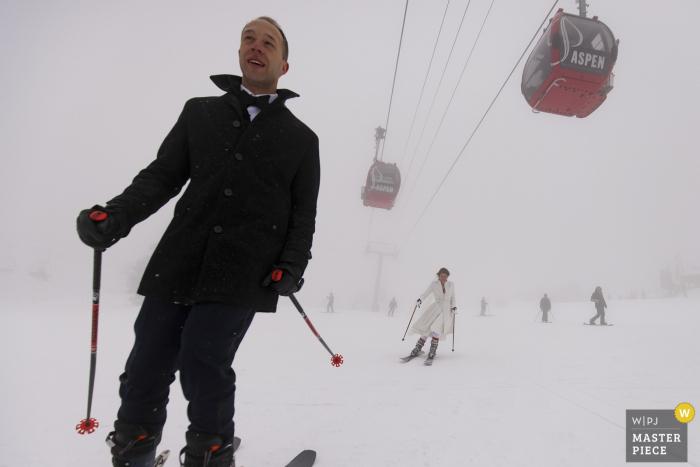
(383, 183)
(569, 71)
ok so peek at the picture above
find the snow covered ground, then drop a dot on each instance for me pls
(513, 393)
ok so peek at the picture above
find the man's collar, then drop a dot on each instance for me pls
(233, 83)
(243, 88)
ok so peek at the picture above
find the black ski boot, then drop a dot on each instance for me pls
(418, 347)
(132, 445)
(433, 350)
(207, 450)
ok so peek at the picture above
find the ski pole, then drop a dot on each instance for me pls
(538, 314)
(88, 425)
(409, 322)
(550, 312)
(453, 331)
(336, 359)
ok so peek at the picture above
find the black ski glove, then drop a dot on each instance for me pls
(454, 310)
(419, 302)
(95, 233)
(282, 281)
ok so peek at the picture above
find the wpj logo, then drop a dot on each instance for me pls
(658, 435)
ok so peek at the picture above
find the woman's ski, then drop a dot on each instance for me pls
(411, 357)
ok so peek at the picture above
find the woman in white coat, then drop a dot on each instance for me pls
(436, 320)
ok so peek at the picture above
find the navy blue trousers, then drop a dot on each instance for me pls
(198, 340)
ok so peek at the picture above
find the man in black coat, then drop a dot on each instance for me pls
(600, 306)
(249, 209)
(545, 306)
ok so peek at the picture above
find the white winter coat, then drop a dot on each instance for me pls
(438, 316)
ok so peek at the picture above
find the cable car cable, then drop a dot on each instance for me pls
(480, 121)
(386, 126)
(445, 113)
(425, 81)
(388, 219)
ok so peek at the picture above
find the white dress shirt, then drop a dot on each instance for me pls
(253, 110)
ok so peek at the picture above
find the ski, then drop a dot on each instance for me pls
(485, 315)
(304, 459)
(160, 460)
(411, 357)
(602, 325)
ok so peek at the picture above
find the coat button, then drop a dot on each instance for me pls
(236, 124)
(228, 192)
(218, 229)
(239, 156)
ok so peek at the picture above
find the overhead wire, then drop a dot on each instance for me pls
(396, 68)
(386, 126)
(438, 88)
(420, 138)
(420, 98)
(410, 193)
(479, 124)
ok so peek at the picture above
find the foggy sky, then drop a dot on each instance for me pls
(535, 203)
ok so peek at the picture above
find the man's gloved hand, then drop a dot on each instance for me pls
(454, 310)
(282, 281)
(419, 302)
(98, 234)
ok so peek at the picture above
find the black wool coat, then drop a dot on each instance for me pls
(600, 304)
(250, 202)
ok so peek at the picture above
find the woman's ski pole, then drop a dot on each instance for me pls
(453, 331)
(538, 314)
(409, 322)
(88, 425)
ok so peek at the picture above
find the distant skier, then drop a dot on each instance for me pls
(392, 306)
(545, 306)
(436, 320)
(600, 306)
(329, 307)
(483, 306)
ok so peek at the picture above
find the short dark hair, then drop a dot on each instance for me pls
(285, 48)
(443, 271)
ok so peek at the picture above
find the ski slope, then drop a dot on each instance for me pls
(514, 391)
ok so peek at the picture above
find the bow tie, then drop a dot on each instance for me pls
(260, 102)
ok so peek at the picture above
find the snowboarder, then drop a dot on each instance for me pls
(249, 209)
(329, 307)
(392, 306)
(483, 306)
(436, 320)
(600, 306)
(545, 306)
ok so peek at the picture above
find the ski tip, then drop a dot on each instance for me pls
(162, 458)
(304, 459)
(236, 443)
